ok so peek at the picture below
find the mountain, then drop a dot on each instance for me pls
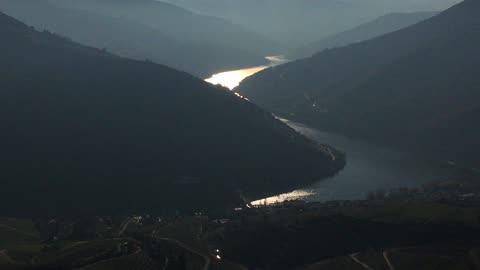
(291, 23)
(130, 38)
(84, 131)
(416, 87)
(300, 22)
(179, 23)
(383, 25)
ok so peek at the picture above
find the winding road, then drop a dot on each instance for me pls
(355, 259)
(124, 226)
(387, 259)
(189, 249)
(327, 150)
(368, 267)
(17, 230)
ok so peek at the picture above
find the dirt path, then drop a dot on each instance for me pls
(387, 259)
(364, 265)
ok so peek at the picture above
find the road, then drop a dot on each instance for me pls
(17, 230)
(184, 246)
(90, 266)
(165, 265)
(3, 252)
(124, 226)
(366, 266)
(232, 265)
(326, 149)
(4, 255)
(355, 259)
(454, 164)
(387, 259)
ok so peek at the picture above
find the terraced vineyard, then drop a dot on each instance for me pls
(136, 261)
(79, 254)
(410, 258)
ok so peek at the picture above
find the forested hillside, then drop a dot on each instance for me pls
(88, 131)
(380, 26)
(406, 88)
(127, 37)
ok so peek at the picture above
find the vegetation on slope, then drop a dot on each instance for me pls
(416, 87)
(380, 26)
(130, 38)
(87, 131)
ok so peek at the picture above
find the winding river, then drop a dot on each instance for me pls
(232, 78)
(369, 167)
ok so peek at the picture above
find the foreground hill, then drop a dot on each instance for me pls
(383, 25)
(130, 38)
(416, 87)
(86, 131)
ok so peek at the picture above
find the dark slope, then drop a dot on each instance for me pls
(403, 87)
(383, 25)
(129, 38)
(179, 23)
(85, 131)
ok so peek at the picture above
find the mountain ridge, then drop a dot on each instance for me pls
(383, 25)
(129, 38)
(80, 125)
(387, 89)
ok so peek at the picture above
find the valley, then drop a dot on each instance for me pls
(156, 135)
(369, 166)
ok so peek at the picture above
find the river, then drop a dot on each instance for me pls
(369, 167)
(232, 78)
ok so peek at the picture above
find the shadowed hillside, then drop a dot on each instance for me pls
(129, 38)
(383, 25)
(87, 131)
(416, 87)
(179, 23)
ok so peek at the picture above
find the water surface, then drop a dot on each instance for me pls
(369, 167)
(232, 78)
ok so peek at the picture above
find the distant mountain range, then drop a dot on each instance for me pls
(416, 87)
(164, 33)
(383, 25)
(179, 23)
(84, 131)
(301, 22)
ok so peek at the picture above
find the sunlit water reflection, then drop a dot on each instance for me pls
(369, 167)
(294, 195)
(232, 78)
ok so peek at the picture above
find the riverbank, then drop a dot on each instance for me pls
(369, 167)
